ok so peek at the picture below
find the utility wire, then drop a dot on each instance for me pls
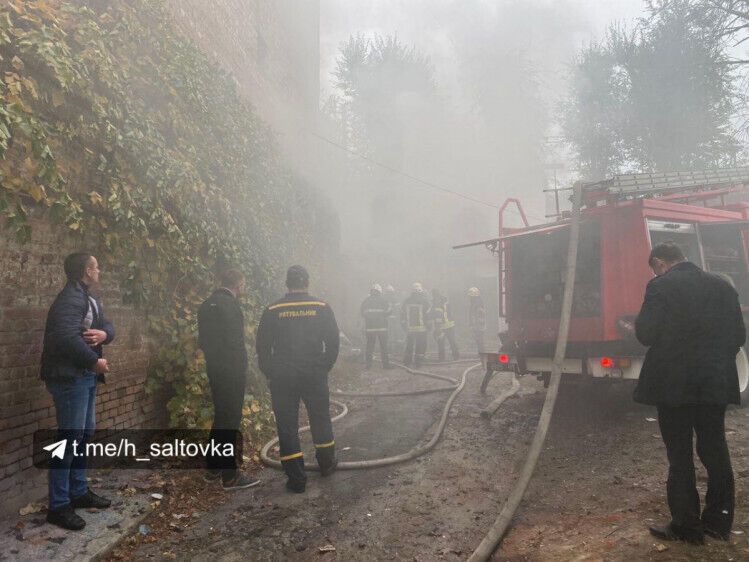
(402, 173)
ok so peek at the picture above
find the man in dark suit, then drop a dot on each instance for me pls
(221, 337)
(71, 364)
(692, 323)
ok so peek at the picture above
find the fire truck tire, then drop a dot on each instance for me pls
(742, 367)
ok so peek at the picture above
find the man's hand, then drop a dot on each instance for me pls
(94, 337)
(101, 366)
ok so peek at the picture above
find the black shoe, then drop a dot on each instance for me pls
(296, 487)
(328, 470)
(66, 518)
(667, 533)
(211, 475)
(89, 499)
(717, 535)
(240, 481)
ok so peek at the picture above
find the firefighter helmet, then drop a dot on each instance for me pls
(473, 292)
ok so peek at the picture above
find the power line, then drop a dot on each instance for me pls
(402, 173)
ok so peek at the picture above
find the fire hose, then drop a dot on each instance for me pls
(455, 388)
(498, 529)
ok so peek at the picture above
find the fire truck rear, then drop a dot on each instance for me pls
(705, 213)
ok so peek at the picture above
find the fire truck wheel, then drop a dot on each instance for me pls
(742, 366)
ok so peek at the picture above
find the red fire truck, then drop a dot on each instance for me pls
(622, 218)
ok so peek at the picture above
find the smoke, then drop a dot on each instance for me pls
(487, 131)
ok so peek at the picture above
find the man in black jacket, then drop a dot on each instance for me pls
(297, 345)
(221, 337)
(375, 310)
(692, 323)
(71, 364)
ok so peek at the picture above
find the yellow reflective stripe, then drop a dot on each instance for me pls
(376, 330)
(325, 445)
(294, 456)
(299, 303)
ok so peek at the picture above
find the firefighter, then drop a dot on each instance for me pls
(297, 345)
(444, 325)
(393, 318)
(375, 310)
(415, 312)
(476, 318)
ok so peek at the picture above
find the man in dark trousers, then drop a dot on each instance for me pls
(444, 325)
(375, 310)
(691, 321)
(415, 312)
(221, 337)
(297, 345)
(71, 365)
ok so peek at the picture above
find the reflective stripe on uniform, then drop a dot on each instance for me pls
(325, 445)
(376, 330)
(299, 303)
(290, 457)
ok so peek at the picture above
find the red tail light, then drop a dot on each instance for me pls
(607, 362)
(504, 358)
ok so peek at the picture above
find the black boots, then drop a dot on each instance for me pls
(66, 518)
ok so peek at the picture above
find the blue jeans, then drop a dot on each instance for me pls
(75, 408)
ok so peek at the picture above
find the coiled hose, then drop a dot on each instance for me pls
(456, 387)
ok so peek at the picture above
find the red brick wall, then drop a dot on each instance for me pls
(30, 277)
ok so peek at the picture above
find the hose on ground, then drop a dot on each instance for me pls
(417, 451)
(498, 529)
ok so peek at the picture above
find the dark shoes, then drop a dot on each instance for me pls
(296, 486)
(667, 533)
(240, 481)
(328, 470)
(717, 535)
(89, 499)
(66, 518)
(211, 475)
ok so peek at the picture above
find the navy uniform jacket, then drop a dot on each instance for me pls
(65, 354)
(375, 310)
(692, 323)
(221, 334)
(297, 335)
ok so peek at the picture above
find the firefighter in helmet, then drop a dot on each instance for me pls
(297, 345)
(375, 310)
(394, 334)
(415, 312)
(476, 318)
(444, 325)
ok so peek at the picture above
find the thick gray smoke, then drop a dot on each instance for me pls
(487, 130)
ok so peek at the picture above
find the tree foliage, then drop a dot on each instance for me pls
(125, 134)
(659, 98)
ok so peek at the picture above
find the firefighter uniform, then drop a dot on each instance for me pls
(375, 310)
(444, 325)
(297, 344)
(414, 317)
(477, 318)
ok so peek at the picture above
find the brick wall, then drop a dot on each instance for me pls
(272, 48)
(30, 277)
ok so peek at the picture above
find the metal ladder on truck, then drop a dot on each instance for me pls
(669, 186)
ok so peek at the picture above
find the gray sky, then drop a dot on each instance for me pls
(422, 22)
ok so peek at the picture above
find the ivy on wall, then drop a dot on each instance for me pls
(128, 136)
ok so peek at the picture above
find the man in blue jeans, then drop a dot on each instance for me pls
(72, 364)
